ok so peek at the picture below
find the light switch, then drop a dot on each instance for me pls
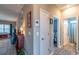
(37, 33)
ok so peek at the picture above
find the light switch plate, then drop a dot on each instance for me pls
(37, 33)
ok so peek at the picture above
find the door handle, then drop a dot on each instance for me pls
(42, 39)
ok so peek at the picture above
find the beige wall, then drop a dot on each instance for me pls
(54, 11)
(22, 27)
(28, 31)
(73, 11)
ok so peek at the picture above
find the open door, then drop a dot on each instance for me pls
(44, 32)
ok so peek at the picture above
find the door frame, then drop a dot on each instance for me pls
(77, 27)
(77, 48)
(58, 29)
(65, 32)
(52, 33)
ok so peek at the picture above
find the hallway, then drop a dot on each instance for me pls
(38, 29)
(67, 50)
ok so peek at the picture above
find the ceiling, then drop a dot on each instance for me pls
(10, 12)
(61, 5)
(64, 6)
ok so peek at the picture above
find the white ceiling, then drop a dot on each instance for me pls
(10, 11)
(65, 6)
(60, 5)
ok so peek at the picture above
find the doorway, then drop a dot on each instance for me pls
(55, 31)
(55, 41)
(70, 34)
(70, 37)
(72, 31)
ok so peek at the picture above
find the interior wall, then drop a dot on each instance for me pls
(54, 11)
(19, 21)
(72, 11)
(22, 27)
(28, 31)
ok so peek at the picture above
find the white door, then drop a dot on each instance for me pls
(44, 32)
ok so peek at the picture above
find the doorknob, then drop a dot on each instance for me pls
(42, 39)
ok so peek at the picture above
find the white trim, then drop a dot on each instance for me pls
(77, 34)
(62, 33)
(43, 10)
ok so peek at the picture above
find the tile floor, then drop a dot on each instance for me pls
(67, 50)
(6, 48)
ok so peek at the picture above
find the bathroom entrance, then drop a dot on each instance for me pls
(70, 34)
(72, 31)
(55, 31)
